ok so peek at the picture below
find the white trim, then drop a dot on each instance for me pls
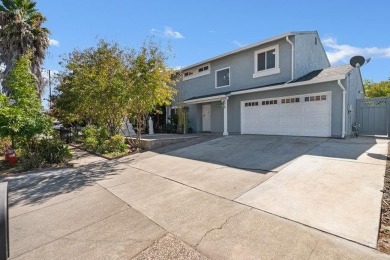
(225, 116)
(250, 46)
(217, 78)
(196, 72)
(266, 72)
(204, 100)
(343, 115)
(296, 84)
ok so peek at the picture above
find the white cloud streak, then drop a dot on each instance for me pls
(53, 42)
(342, 52)
(168, 32)
(238, 43)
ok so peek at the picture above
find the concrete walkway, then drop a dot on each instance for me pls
(126, 208)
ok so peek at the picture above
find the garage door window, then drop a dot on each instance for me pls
(269, 102)
(315, 98)
(251, 104)
(290, 100)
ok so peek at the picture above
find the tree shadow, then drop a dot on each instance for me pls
(36, 188)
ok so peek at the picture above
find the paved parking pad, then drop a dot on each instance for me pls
(251, 152)
(217, 179)
(338, 192)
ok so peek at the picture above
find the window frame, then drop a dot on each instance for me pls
(196, 73)
(266, 72)
(216, 78)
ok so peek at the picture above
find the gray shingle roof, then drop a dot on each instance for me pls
(326, 73)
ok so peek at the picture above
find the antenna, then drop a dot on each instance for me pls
(357, 61)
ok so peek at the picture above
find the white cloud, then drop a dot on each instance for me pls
(168, 32)
(239, 44)
(343, 52)
(53, 42)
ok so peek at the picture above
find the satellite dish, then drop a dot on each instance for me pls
(357, 61)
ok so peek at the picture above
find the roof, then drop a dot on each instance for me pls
(248, 47)
(317, 76)
(326, 73)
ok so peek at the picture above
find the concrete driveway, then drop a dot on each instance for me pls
(211, 199)
(329, 184)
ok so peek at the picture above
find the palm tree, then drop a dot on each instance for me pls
(21, 32)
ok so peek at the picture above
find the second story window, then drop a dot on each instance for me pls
(196, 72)
(222, 77)
(267, 61)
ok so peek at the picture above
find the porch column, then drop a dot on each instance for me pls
(225, 116)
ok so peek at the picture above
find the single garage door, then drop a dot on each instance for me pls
(303, 115)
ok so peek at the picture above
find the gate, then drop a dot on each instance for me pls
(373, 116)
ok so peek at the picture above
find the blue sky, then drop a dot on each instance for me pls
(197, 30)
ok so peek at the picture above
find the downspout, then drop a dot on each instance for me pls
(343, 118)
(292, 59)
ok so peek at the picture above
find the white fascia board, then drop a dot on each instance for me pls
(204, 100)
(290, 85)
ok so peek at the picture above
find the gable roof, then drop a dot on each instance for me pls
(248, 47)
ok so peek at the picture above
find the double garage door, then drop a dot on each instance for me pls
(303, 115)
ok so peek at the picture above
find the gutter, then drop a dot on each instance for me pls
(292, 59)
(343, 117)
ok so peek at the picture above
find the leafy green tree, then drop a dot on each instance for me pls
(150, 85)
(92, 88)
(21, 116)
(380, 89)
(106, 84)
(22, 32)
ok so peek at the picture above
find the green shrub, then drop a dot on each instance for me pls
(30, 157)
(116, 144)
(89, 131)
(54, 151)
(91, 143)
(36, 153)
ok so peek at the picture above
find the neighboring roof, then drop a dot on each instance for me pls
(326, 73)
(249, 47)
(317, 76)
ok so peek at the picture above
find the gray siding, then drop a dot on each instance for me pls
(308, 55)
(241, 72)
(354, 85)
(195, 117)
(234, 108)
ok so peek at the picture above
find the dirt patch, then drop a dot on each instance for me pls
(384, 232)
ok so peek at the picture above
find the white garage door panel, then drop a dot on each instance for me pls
(303, 118)
(291, 109)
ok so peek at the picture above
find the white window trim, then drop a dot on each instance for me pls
(267, 72)
(196, 72)
(230, 78)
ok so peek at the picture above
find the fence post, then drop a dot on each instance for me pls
(4, 226)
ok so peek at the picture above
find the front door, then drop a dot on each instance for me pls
(206, 118)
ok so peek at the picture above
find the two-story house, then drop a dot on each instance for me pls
(280, 86)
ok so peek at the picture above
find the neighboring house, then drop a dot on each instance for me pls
(279, 86)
